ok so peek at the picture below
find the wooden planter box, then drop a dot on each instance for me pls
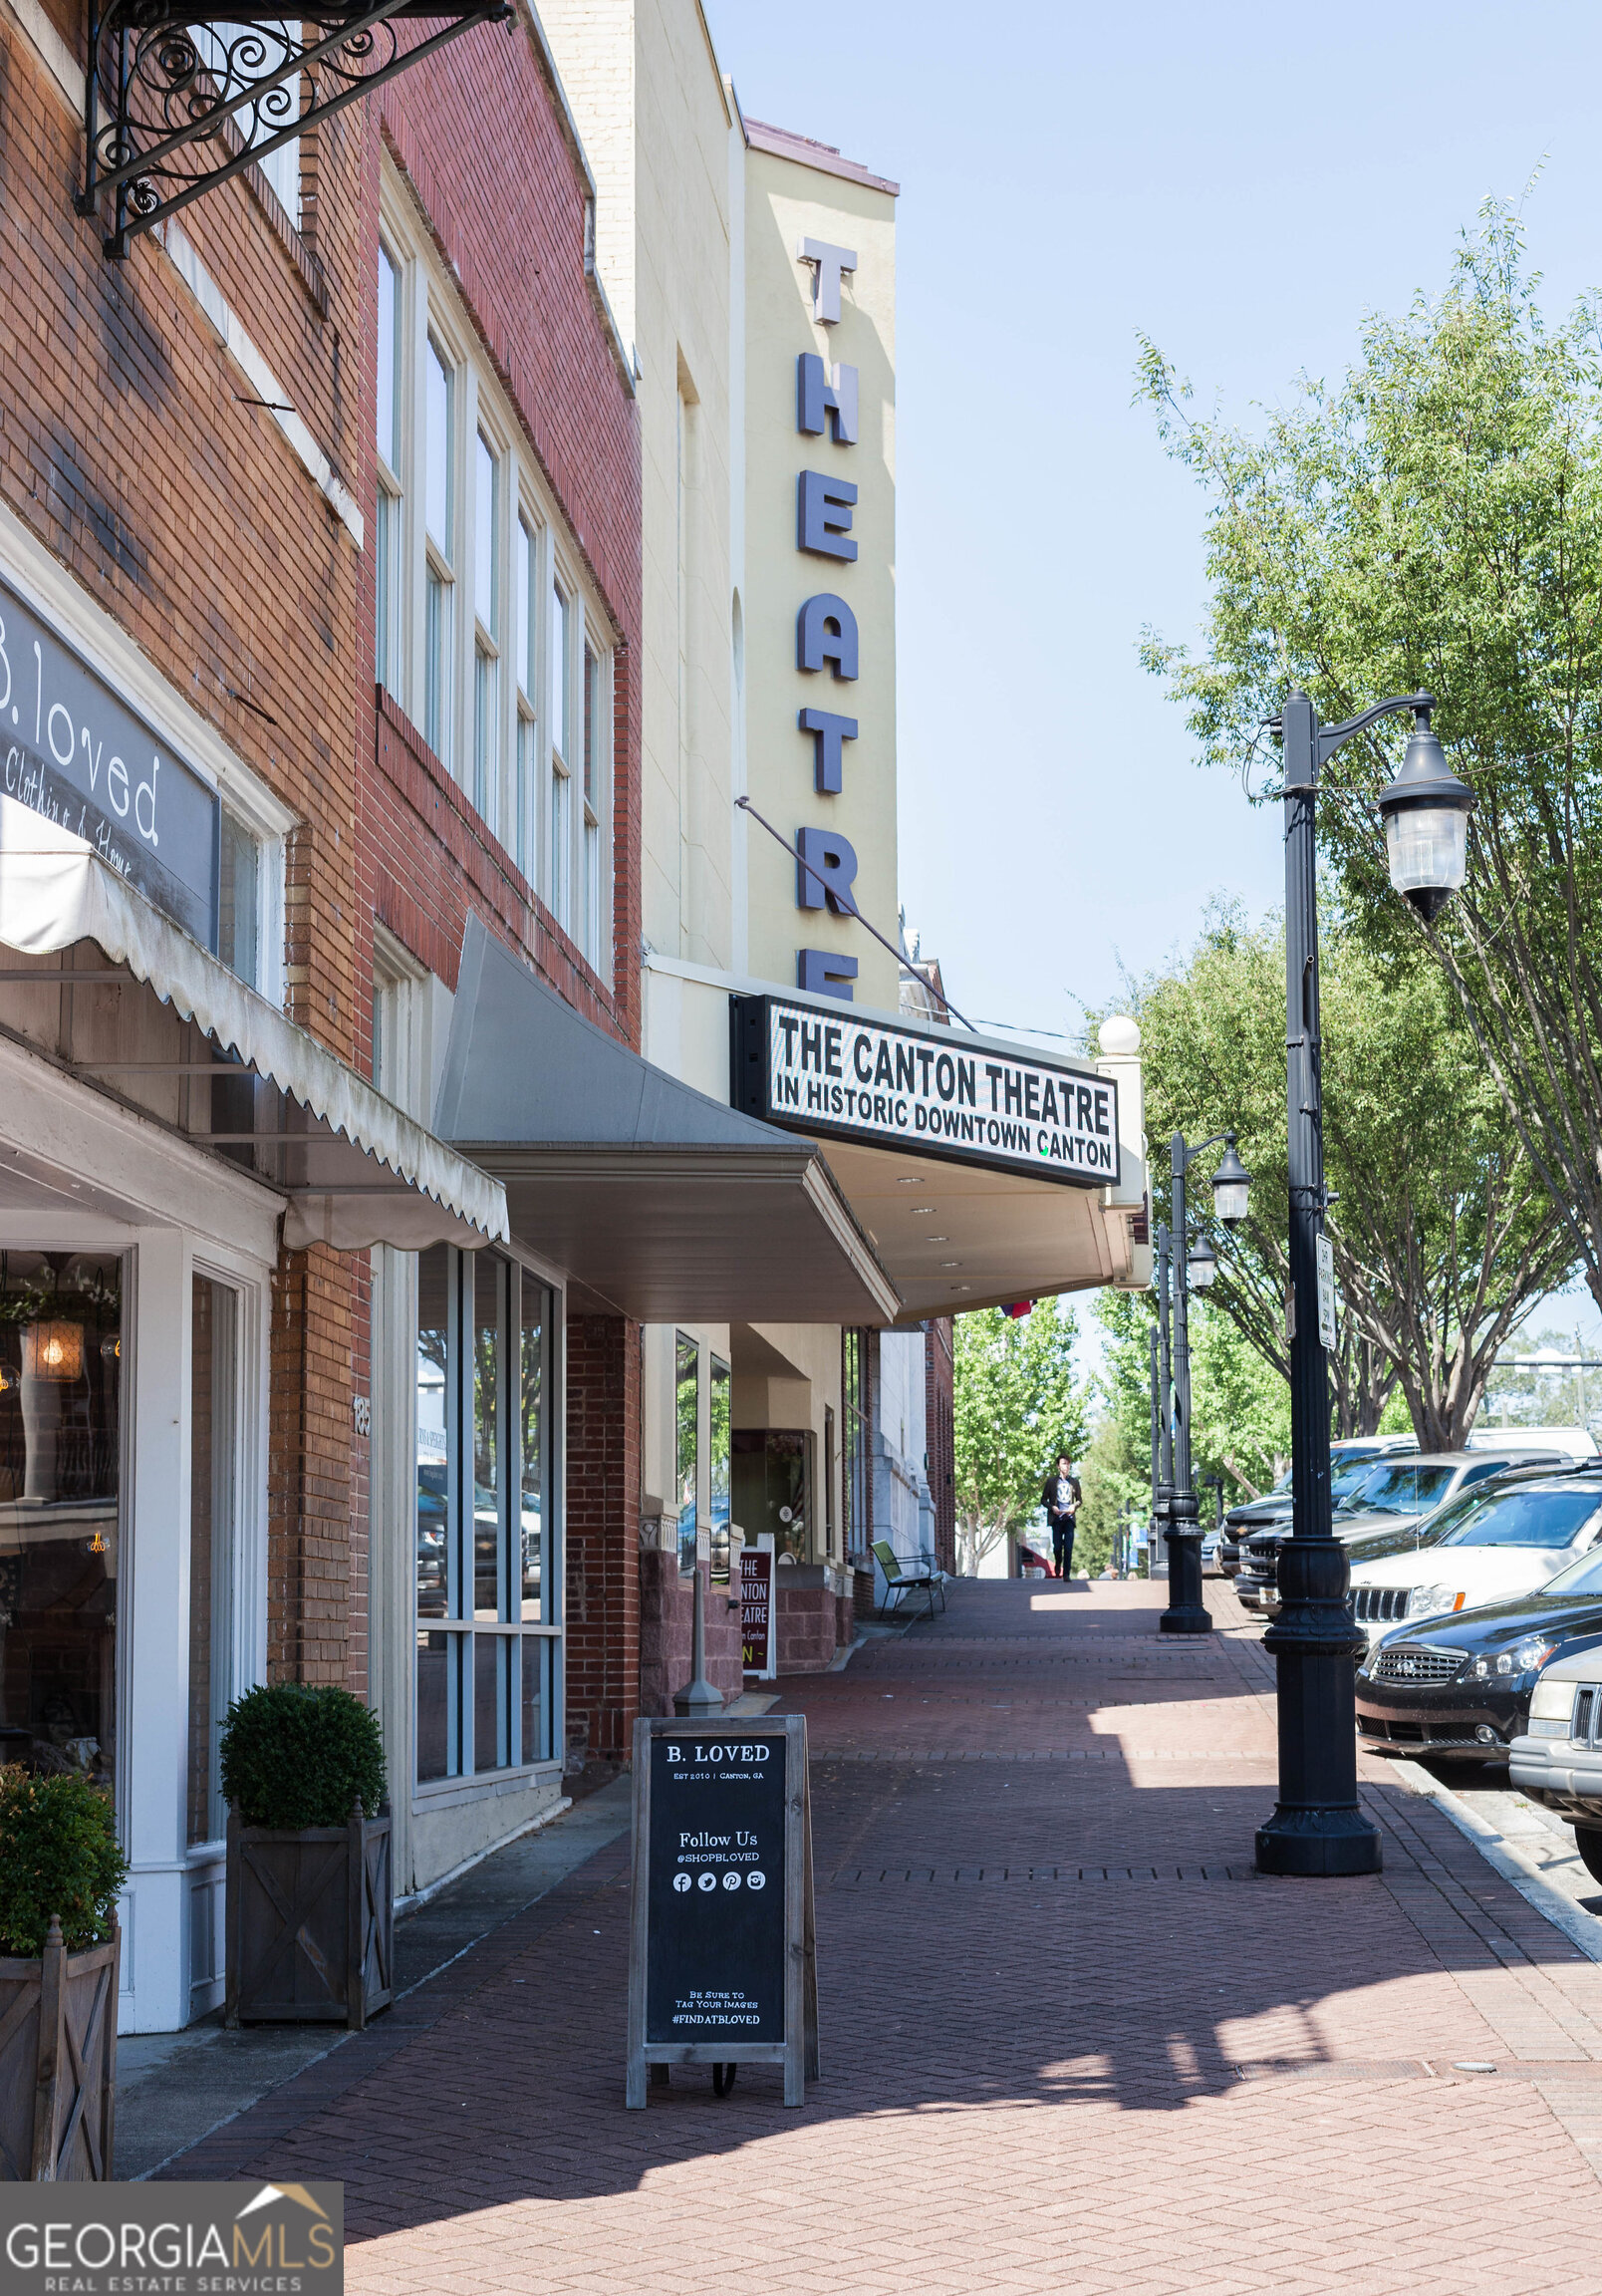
(311, 1922)
(57, 2064)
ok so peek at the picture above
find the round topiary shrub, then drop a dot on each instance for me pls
(294, 1756)
(59, 1854)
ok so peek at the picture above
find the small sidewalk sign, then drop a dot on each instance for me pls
(722, 1958)
(760, 1643)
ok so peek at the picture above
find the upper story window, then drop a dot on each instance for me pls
(239, 55)
(241, 889)
(561, 837)
(386, 538)
(526, 730)
(487, 632)
(439, 396)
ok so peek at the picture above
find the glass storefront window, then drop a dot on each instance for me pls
(434, 1356)
(484, 1467)
(687, 1374)
(719, 1470)
(490, 1496)
(772, 1487)
(61, 1365)
(532, 1442)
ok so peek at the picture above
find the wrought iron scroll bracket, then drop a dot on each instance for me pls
(176, 103)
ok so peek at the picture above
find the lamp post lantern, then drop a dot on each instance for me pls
(1186, 1612)
(1317, 1827)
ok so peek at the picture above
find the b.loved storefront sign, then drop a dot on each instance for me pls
(72, 751)
(897, 1087)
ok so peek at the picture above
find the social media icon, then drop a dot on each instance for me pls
(680, 1881)
(731, 1880)
(756, 1880)
(707, 1881)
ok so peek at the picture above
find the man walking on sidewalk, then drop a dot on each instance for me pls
(1061, 1498)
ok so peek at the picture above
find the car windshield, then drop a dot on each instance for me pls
(1348, 1476)
(1400, 1489)
(1581, 1576)
(1522, 1517)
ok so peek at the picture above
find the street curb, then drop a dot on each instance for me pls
(1582, 1929)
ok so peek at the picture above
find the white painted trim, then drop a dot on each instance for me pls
(155, 1172)
(421, 1898)
(231, 332)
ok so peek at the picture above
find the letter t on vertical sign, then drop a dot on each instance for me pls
(829, 731)
(828, 262)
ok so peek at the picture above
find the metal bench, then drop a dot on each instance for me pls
(912, 1575)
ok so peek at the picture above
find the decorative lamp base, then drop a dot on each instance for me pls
(1307, 1844)
(1186, 1611)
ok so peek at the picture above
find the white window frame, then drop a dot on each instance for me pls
(525, 750)
(390, 505)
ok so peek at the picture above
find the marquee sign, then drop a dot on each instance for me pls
(889, 1088)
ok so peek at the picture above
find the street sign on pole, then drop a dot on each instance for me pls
(722, 1962)
(1324, 1253)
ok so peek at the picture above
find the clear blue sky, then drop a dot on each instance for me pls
(1240, 183)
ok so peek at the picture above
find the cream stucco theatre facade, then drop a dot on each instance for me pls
(754, 274)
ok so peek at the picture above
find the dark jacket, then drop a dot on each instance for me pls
(1048, 1500)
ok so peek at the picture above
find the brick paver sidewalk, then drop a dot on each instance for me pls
(1071, 2041)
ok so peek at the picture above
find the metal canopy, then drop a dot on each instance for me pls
(961, 1236)
(659, 1201)
(179, 1038)
(177, 99)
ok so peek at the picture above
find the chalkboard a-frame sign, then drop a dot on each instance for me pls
(723, 1965)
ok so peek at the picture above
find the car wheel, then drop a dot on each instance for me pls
(1589, 1843)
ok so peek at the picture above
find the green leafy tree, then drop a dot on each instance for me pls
(1239, 1413)
(1434, 520)
(1017, 1405)
(1443, 1237)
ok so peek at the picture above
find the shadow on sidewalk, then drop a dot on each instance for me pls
(989, 1932)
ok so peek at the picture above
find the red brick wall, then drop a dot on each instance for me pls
(129, 446)
(602, 1607)
(667, 1634)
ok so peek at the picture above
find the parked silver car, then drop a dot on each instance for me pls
(1396, 1494)
(1558, 1761)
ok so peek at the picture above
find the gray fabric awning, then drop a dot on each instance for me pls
(658, 1202)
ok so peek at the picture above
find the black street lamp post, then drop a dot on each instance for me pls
(1156, 1442)
(1317, 1827)
(1163, 1391)
(1186, 1612)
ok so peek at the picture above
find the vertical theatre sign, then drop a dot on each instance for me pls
(826, 395)
(721, 1960)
